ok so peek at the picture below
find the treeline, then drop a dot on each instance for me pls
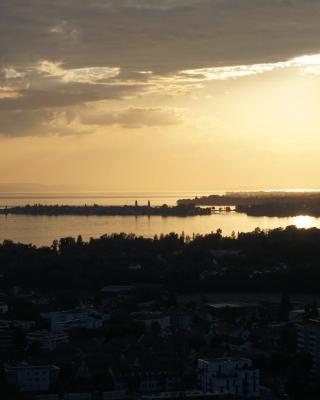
(271, 204)
(280, 259)
(281, 209)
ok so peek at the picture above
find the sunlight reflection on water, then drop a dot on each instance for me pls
(42, 230)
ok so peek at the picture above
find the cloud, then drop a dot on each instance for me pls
(11, 73)
(165, 36)
(135, 117)
(81, 75)
(40, 123)
(24, 123)
(164, 5)
(307, 64)
(59, 55)
(63, 97)
(7, 92)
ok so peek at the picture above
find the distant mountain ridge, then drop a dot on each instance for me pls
(38, 188)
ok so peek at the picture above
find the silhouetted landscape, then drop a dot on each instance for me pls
(164, 210)
(280, 259)
(269, 204)
(124, 316)
(159, 200)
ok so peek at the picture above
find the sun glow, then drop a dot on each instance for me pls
(304, 221)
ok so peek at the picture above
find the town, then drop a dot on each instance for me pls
(103, 321)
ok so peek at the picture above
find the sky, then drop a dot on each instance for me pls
(139, 95)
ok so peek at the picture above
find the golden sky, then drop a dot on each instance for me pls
(160, 95)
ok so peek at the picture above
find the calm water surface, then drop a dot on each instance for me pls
(40, 230)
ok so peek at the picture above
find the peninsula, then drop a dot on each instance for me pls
(182, 210)
(270, 204)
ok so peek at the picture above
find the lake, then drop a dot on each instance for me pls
(42, 230)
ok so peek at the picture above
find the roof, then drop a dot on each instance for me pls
(143, 315)
(226, 359)
(117, 289)
(232, 305)
(21, 367)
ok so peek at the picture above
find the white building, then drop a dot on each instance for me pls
(25, 325)
(180, 395)
(6, 335)
(77, 396)
(47, 340)
(80, 317)
(47, 396)
(298, 316)
(29, 378)
(181, 320)
(232, 376)
(308, 341)
(115, 395)
(3, 308)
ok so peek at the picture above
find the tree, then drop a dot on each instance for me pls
(80, 241)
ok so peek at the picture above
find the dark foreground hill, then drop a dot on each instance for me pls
(281, 259)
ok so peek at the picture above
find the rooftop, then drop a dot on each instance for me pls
(26, 366)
